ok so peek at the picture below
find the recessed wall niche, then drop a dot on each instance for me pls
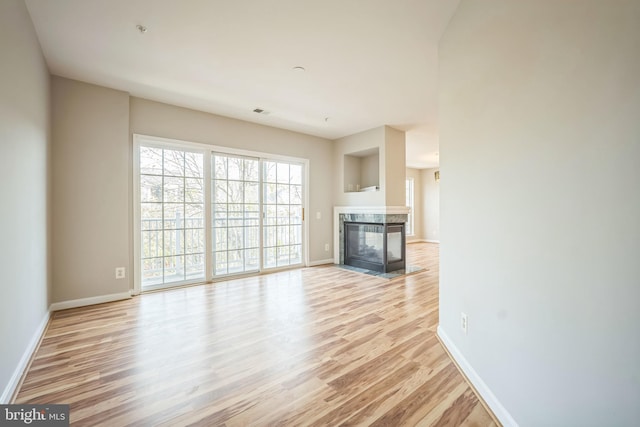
(362, 171)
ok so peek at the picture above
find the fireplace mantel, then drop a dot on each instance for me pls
(393, 213)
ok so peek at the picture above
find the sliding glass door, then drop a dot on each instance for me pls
(282, 207)
(204, 213)
(236, 214)
(237, 186)
(171, 216)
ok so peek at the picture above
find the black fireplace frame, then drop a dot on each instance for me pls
(385, 266)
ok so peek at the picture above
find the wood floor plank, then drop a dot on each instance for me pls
(320, 346)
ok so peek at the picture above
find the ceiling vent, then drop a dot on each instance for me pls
(261, 111)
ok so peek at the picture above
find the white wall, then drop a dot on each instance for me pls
(91, 191)
(157, 119)
(24, 172)
(431, 204)
(539, 112)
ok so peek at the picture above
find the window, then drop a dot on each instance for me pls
(282, 185)
(254, 207)
(171, 215)
(236, 214)
(410, 204)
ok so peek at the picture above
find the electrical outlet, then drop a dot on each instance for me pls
(464, 323)
(120, 273)
(318, 215)
(326, 247)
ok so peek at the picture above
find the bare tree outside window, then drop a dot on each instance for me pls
(172, 215)
(254, 204)
(236, 214)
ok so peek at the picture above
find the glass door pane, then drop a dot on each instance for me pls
(171, 216)
(282, 213)
(235, 198)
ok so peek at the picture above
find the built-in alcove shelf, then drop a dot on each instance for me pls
(362, 171)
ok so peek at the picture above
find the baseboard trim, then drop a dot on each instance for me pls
(25, 360)
(423, 241)
(490, 399)
(56, 306)
(321, 262)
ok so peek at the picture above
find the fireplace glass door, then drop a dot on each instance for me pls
(366, 242)
(377, 247)
(395, 243)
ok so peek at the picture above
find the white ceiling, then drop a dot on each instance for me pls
(368, 62)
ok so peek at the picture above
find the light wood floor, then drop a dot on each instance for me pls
(319, 346)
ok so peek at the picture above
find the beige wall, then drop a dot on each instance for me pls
(24, 173)
(393, 184)
(167, 121)
(427, 204)
(91, 191)
(431, 205)
(352, 175)
(370, 170)
(391, 154)
(92, 211)
(417, 204)
(539, 113)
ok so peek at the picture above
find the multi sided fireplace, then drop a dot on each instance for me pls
(377, 247)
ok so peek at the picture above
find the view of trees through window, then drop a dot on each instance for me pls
(256, 214)
(282, 214)
(236, 214)
(236, 210)
(171, 212)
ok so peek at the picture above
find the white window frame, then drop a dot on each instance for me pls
(213, 250)
(411, 225)
(208, 150)
(137, 218)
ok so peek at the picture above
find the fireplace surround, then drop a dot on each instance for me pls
(391, 218)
